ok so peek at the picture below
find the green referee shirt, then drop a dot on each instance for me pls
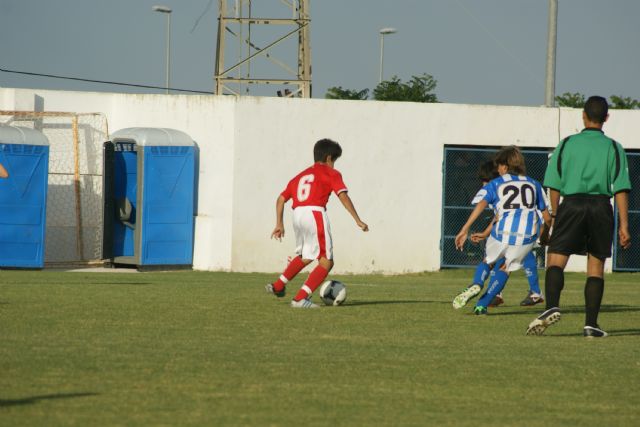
(588, 163)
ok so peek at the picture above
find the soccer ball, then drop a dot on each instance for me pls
(333, 292)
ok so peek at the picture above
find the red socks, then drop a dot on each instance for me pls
(295, 266)
(314, 280)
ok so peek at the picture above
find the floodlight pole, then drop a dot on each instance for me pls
(167, 11)
(383, 32)
(552, 39)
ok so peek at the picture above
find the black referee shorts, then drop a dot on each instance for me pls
(583, 225)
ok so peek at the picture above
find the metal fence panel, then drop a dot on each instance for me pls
(629, 259)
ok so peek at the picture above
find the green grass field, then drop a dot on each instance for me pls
(196, 348)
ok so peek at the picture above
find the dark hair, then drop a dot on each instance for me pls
(596, 109)
(487, 171)
(511, 157)
(325, 148)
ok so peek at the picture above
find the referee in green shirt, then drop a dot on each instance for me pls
(586, 169)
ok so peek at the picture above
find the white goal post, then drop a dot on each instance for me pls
(74, 197)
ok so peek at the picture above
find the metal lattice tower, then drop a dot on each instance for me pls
(238, 26)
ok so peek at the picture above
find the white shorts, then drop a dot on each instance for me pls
(513, 254)
(313, 232)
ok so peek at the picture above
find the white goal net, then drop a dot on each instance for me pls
(74, 197)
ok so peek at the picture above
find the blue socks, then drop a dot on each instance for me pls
(530, 266)
(482, 271)
(496, 284)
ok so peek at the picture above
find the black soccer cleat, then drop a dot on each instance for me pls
(532, 299)
(591, 332)
(542, 322)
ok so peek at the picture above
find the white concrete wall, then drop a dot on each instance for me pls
(392, 163)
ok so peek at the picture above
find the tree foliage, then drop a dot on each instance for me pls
(337, 92)
(577, 100)
(626, 103)
(418, 89)
(572, 100)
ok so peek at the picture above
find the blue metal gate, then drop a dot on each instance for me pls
(461, 183)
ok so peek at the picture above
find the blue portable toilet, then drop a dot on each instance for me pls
(24, 153)
(149, 193)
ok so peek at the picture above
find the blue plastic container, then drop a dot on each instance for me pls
(24, 153)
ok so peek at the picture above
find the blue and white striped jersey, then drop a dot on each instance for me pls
(518, 202)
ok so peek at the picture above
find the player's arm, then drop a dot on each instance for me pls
(478, 237)
(278, 231)
(546, 227)
(3, 172)
(348, 205)
(461, 237)
(622, 203)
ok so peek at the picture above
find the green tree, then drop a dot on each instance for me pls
(572, 100)
(418, 89)
(577, 100)
(337, 92)
(620, 103)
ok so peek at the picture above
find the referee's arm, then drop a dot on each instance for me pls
(622, 202)
(554, 201)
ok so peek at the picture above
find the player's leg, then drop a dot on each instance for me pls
(530, 266)
(495, 251)
(554, 283)
(492, 254)
(498, 299)
(480, 276)
(554, 278)
(294, 267)
(599, 249)
(569, 236)
(513, 259)
(497, 282)
(297, 263)
(315, 279)
(593, 292)
(318, 244)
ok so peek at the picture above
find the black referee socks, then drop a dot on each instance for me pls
(593, 291)
(553, 285)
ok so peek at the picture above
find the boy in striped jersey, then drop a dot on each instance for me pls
(486, 173)
(519, 203)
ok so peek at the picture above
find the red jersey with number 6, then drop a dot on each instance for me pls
(313, 186)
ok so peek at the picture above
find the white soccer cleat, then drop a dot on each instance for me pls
(464, 297)
(304, 303)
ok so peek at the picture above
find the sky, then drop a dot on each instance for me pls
(478, 51)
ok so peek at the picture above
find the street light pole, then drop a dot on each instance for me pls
(167, 11)
(552, 37)
(383, 32)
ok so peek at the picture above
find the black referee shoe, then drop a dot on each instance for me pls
(591, 332)
(542, 322)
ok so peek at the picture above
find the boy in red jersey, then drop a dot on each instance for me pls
(310, 191)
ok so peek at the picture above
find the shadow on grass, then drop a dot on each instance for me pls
(35, 399)
(564, 310)
(623, 332)
(612, 333)
(353, 303)
(120, 283)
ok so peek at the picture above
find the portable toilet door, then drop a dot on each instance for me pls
(24, 153)
(153, 194)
